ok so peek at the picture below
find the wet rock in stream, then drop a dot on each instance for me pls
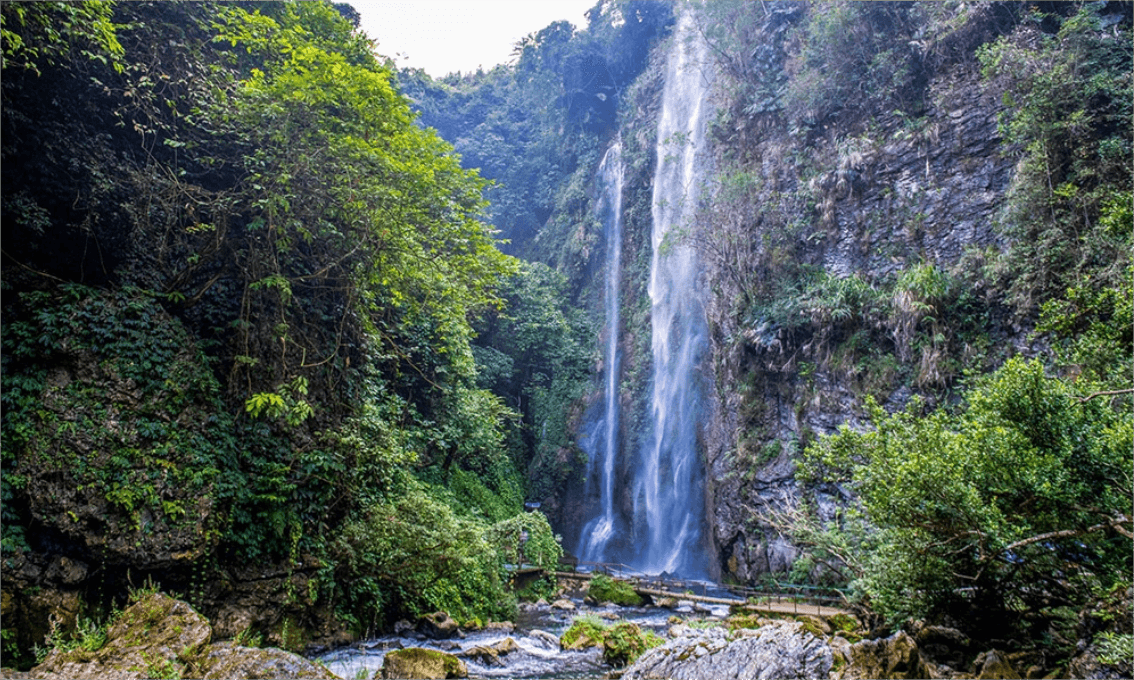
(780, 650)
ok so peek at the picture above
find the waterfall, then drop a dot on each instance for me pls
(664, 533)
(603, 443)
(668, 489)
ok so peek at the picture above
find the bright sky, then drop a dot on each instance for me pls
(445, 36)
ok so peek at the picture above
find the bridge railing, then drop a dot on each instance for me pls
(776, 591)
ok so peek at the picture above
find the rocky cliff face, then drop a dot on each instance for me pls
(869, 197)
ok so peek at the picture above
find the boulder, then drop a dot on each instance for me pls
(416, 662)
(895, 657)
(159, 636)
(781, 650)
(1109, 616)
(154, 636)
(563, 605)
(438, 626)
(544, 639)
(489, 655)
(228, 660)
(943, 645)
(1087, 664)
(994, 665)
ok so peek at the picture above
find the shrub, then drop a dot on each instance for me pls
(994, 504)
(624, 642)
(621, 643)
(413, 555)
(605, 589)
(585, 631)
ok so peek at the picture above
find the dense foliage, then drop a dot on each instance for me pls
(230, 210)
(537, 128)
(1017, 503)
(621, 643)
(1002, 499)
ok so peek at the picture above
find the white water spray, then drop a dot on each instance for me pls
(598, 532)
(668, 485)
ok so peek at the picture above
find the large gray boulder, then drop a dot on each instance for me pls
(224, 660)
(894, 657)
(152, 637)
(438, 626)
(781, 650)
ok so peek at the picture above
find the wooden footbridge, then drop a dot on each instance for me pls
(781, 598)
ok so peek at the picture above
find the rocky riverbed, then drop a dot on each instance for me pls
(159, 636)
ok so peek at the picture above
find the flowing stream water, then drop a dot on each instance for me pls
(602, 445)
(668, 485)
(536, 634)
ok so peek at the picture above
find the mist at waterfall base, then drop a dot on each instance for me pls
(664, 530)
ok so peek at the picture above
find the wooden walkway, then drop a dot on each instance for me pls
(773, 603)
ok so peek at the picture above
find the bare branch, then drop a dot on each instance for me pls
(1106, 393)
(1067, 533)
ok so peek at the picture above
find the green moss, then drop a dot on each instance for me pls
(744, 621)
(417, 662)
(605, 589)
(623, 643)
(584, 632)
(843, 622)
(813, 628)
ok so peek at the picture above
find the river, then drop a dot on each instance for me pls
(536, 632)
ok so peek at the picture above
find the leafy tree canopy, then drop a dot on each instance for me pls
(1017, 502)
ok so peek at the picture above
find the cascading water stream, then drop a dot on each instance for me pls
(664, 532)
(668, 486)
(598, 532)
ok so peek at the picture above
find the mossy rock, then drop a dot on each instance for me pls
(121, 449)
(844, 622)
(814, 625)
(605, 589)
(229, 660)
(624, 642)
(159, 636)
(152, 637)
(417, 662)
(583, 633)
(750, 621)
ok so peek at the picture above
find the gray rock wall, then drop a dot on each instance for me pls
(897, 194)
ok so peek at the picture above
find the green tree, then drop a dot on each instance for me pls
(1016, 503)
(537, 353)
(412, 556)
(252, 171)
(1067, 109)
(45, 33)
